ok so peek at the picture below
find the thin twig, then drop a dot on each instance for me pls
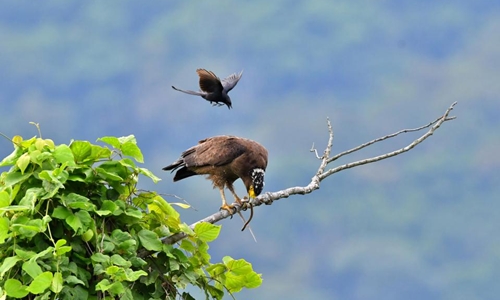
(381, 139)
(315, 152)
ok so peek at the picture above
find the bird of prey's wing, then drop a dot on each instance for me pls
(230, 81)
(214, 151)
(190, 92)
(209, 82)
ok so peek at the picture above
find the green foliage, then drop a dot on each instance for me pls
(72, 223)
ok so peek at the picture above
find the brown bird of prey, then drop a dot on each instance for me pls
(225, 159)
(213, 89)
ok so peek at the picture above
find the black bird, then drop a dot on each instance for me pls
(213, 89)
(225, 159)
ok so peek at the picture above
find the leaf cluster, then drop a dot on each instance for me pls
(72, 222)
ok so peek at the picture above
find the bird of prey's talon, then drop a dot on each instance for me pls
(245, 203)
(229, 208)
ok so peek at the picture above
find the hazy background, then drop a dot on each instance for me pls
(423, 225)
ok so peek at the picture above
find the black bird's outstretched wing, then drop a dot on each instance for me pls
(209, 82)
(230, 81)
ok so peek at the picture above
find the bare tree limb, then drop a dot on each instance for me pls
(269, 197)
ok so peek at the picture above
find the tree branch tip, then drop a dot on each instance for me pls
(315, 152)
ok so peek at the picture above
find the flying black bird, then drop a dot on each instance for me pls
(212, 89)
(225, 159)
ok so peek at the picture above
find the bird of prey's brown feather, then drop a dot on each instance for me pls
(213, 89)
(225, 159)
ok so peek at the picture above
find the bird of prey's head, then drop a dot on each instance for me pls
(256, 186)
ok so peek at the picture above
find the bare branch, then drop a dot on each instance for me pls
(269, 197)
(436, 125)
(387, 137)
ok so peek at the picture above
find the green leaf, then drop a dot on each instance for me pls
(84, 217)
(149, 174)
(112, 270)
(163, 208)
(38, 157)
(119, 236)
(60, 248)
(76, 292)
(14, 288)
(4, 229)
(187, 245)
(24, 255)
(108, 175)
(51, 183)
(63, 154)
(113, 288)
(11, 159)
(216, 270)
(60, 243)
(181, 205)
(127, 139)
(215, 292)
(73, 197)
(110, 140)
(186, 229)
(81, 150)
(30, 228)
(88, 235)
(61, 212)
(24, 143)
(14, 178)
(207, 232)
(73, 280)
(49, 176)
(15, 208)
(120, 261)
(133, 212)
(107, 208)
(240, 274)
(99, 257)
(74, 222)
(253, 280)
(7, 264)
(23, 162)
(42, 253)
(32, 268)
(234, 283)
(57, 283)
(134, 275)
(4, 199)
(131, 149)
(40, 283)
(149, 240)
(41, 144)
(99, 152)
(31, 197)
(128, 245)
